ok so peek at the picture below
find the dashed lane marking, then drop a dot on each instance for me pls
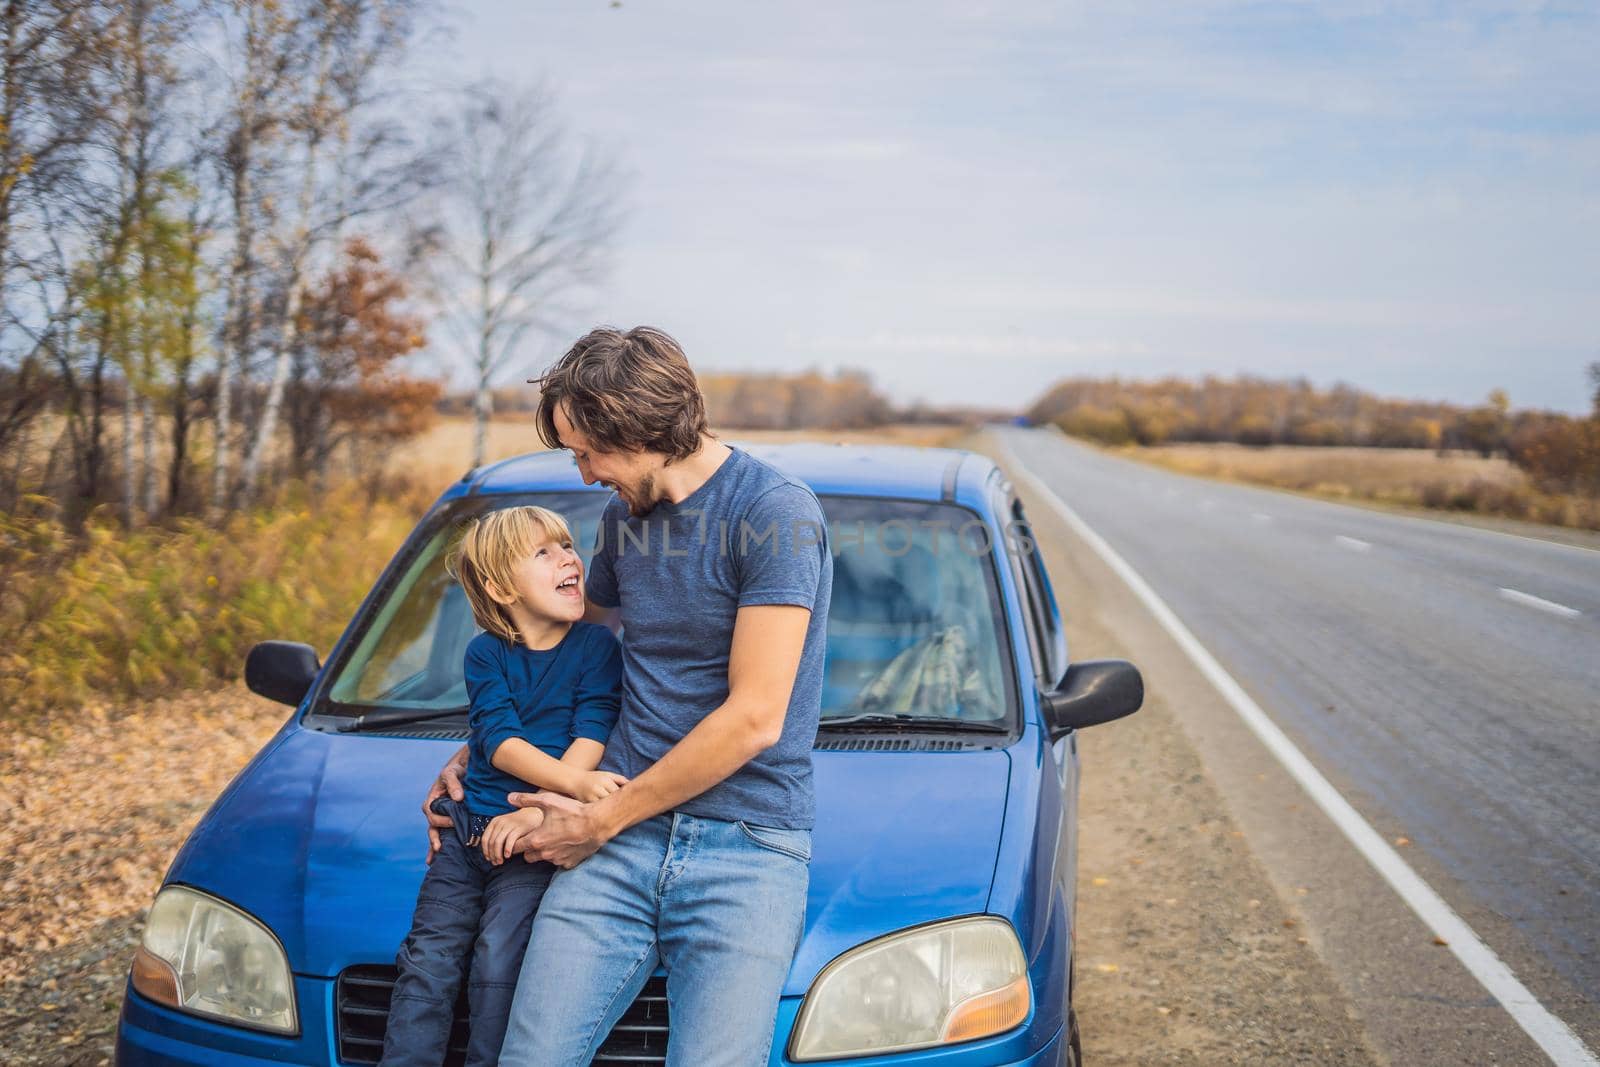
(1517, 596)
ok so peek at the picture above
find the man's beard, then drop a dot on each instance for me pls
(644, 501)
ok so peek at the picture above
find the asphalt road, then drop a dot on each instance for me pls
(1445, 678)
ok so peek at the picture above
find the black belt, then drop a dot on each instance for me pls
(476, 824)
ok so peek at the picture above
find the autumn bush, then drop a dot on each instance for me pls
(113, 613)
(1561, 454)
(1109, 426)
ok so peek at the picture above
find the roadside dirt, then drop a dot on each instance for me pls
(95, 804)
(1186, 955)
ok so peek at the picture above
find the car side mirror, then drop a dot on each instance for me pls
(1092, 692)
(281, 670)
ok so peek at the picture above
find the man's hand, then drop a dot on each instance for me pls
(449, 781)
(570, 833)
(504, 829)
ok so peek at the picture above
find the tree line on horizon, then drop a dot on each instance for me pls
(1561, 453)
(846, 399)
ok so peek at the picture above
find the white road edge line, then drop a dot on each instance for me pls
(1353, 543)
(1551, 1034)
(1517, 596)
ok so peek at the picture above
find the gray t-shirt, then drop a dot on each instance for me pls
(750, 535)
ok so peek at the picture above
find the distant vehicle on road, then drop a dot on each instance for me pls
(940, 919)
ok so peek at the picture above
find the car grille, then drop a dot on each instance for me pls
(361, 1002)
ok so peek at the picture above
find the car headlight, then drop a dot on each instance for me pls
(933, 985)
(202, 955)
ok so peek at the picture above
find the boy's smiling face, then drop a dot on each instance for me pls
(547, 585)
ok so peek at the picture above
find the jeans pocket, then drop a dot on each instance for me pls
(795, 844)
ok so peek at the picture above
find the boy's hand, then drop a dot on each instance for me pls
(449, 781)
(504, 831)
(592, 785)
(571, 832)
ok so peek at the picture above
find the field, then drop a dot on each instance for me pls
(444, 452)
(1376, 473)
(1460, 482)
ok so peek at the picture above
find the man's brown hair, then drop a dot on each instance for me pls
(626, 392)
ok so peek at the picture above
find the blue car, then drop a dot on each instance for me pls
(940, 917)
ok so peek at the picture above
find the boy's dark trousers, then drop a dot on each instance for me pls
(472, 922)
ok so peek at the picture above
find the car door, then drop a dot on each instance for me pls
(1047, 645)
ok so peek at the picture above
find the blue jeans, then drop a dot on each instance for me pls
(471, 917)
(720, 905)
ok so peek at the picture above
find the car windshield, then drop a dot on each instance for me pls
(915, 630)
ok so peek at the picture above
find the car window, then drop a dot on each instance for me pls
(914, 627)
(410, 653)
(1044, 614)
(915, 624)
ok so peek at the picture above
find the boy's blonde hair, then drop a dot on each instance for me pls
(487, 550)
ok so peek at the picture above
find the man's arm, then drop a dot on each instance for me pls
(768, 640)
(448, 783)
(610, 618)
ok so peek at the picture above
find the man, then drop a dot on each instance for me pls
(721, 568)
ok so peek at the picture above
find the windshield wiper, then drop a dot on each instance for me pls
(377, 720)
(874, 720)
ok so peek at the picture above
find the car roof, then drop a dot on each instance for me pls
(856, 470)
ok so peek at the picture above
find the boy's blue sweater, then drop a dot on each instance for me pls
(548, 699)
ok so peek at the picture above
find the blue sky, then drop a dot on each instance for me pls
(971, 200)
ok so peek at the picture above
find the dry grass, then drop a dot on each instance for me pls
(1373, 473)
(1405, 477)
(444, 452)
(96, 802)
(436, 457)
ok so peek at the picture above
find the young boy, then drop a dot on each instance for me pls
(544, 695)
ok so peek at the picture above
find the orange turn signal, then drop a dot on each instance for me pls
(155, 978)
(988, 1013)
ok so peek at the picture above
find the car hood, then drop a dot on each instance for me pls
(321, 838)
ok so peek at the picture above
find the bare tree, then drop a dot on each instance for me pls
(48, 57)
(353, 39)
(265, 44)
(314, 121)
(525, 228)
